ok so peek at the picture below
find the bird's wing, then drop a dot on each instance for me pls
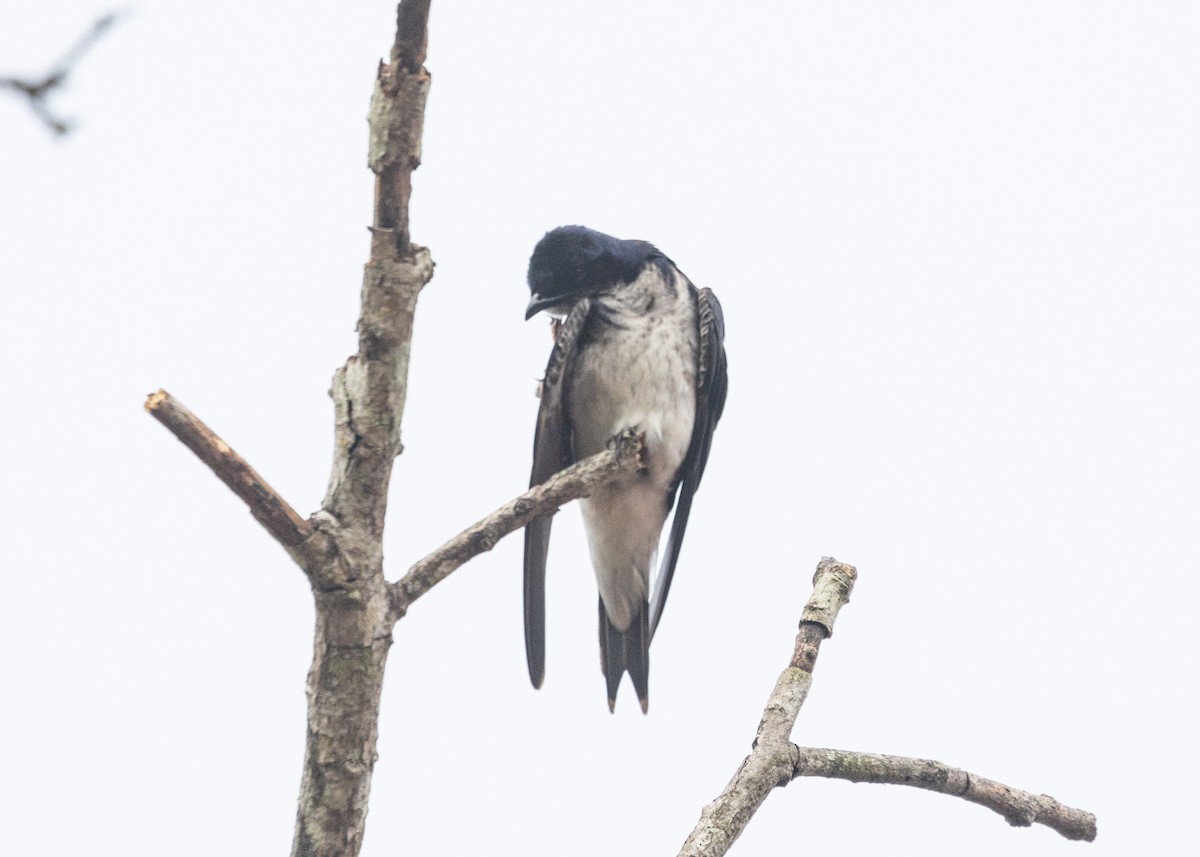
(712, 382)
(551, 453)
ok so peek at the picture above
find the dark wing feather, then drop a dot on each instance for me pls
(711, 385)
(551, 453)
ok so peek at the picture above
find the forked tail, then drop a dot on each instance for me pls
(626, 651)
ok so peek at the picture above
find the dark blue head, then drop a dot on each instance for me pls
(572, 262)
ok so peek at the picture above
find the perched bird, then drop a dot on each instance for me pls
(636, 346)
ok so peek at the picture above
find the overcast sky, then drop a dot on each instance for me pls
(956, 248)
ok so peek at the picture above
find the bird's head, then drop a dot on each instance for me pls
(573, 262)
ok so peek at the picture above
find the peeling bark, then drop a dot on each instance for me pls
(369, 391)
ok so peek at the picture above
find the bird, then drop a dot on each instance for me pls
(636, 346)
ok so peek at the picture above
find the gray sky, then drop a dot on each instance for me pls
(955, 244)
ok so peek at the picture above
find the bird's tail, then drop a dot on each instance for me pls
(626, 651)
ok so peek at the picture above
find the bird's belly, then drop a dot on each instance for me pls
(645, 380)
(623, 524)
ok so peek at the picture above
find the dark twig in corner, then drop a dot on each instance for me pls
(38, 90)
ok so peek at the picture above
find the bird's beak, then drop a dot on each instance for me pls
(537, 303)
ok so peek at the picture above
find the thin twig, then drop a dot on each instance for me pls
(1019, 808)
(579, 480)
(271, 510)
(38, 90)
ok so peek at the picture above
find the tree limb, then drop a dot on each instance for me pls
(774, 761)
(396, 119)
(1019, 808)
(770, 763)
(624, 455)
(345, 566)
(369, 392)
(268, 508)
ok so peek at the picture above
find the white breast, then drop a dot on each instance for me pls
(638, 370)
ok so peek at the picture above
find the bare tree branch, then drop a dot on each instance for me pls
(268, 508)
(412, 35)
(341, 547)
(370, 389)
(774, 761)
(37, 90)
(624, 455)
(1020, 809)
(353, 601)
(770, 762)
(343, 725)
(396, 133)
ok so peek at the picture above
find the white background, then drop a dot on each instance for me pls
(955, 244)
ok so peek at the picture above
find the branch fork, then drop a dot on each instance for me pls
(774, 761)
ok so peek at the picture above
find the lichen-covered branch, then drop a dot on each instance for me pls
(370, 389)
(1018, 808)
(271, 510)
(770, 761)
(775, 761)
(345, 561)
(579, 480)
